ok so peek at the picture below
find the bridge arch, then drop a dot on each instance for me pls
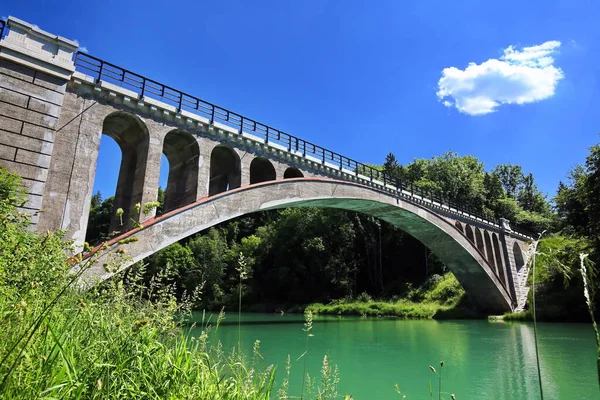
(499, 262)
(132, 137)
(182, 151)
(261, 170)
(518, 255)
(490, 251)
(292, 172)
(459, 226)
(479, 241)
(469, 232)
(225, 170)
(435, 231)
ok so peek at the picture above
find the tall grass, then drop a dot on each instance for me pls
(588, 274)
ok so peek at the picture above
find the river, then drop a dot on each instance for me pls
(482, 360)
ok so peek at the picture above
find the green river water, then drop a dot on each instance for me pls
(482, 360)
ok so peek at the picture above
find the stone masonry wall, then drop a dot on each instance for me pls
(30, 103)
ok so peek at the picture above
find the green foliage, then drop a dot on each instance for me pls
(58, 342)
(518, 316)
(559, 289)
(101, 212)
(439, 293)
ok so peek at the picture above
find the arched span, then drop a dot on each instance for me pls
(469, 232)
(182, 151)
(490, 251)
(292, 172)
(479, 241)
(459, 226)
(436, 232)
(132, 136)
(225, 170)
(518, 255)
(261, 170)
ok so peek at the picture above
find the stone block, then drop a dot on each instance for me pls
(33, 202)
(7, 152)
(12, 97)
(21, 72)
(22, 114)
(33, 187)
(10, 124)
(50, 82)
(38, 132)
(25, 142)
(33, 158)
(31, 90)
(44, 107)
(26, 171)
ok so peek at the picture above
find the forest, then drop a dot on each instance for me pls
(297, 256)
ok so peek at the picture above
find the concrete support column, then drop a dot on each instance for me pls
(147, 188)
(245, 160)
(72, 172)
(206, 147)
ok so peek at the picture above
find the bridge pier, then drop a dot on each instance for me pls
(32, 89)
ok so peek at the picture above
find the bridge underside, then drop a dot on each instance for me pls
(436, 232)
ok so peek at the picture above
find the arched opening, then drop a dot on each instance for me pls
(225, 170)
(292, 172)
(479, 240)
(518, 254)
(181, 150)
(490, 251)
(499, 263)
(469, 232)
(131, 136)
(459, 226)
(261, 170)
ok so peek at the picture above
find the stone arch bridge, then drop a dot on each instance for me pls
(56, 103)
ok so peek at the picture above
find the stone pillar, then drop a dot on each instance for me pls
(148, 187)
(505, 224)
(34, 69)
(508, 259)
(245, 161)
(206, 147)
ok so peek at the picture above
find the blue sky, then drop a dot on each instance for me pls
(364, 80)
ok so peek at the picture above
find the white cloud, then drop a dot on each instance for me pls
(518, 77)
(83, 49)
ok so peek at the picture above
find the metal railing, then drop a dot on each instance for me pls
(2, 25)
(101, 70)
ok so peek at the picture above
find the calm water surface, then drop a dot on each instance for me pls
(482, 360)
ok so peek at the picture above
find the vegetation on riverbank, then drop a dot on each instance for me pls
(439, 296)
(119, 341)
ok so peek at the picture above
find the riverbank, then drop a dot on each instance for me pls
(441, 297)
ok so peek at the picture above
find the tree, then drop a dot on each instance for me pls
(99, 220)
(511, 177)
